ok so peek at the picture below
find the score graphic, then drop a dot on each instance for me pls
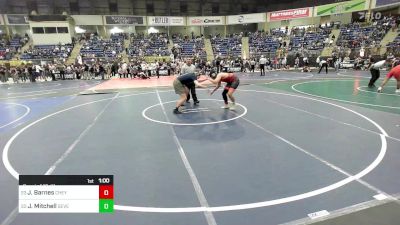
(106, 198)
(66, 194)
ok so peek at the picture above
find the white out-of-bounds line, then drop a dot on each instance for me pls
(323, 161)
(328, 118)
(6, 148)
(358, 176)
(199, 192)
(334, 99)
(28, 110)
(297, 197)
(11, 217)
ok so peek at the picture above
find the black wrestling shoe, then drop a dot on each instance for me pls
(196, 102)
(176, 111)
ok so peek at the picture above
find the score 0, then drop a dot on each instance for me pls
(106, 196)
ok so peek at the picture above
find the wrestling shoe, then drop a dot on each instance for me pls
(176, 111)
(225, 107)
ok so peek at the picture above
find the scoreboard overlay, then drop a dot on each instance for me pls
(66, 194)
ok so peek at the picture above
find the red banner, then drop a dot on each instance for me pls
(289, 14)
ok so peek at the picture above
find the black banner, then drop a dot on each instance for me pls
(43, 18)
(128, 20)
(66, 179)
(359, 16)
(17, 19)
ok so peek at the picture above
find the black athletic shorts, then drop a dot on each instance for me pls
(234, 84)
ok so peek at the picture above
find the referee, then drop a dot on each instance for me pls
(374, 69)
(190, 68)
(323, 63)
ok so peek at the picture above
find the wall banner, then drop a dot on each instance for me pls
(206, 20)
(125, 20)
(246, 18)
(165, 21)
(289, 14)
(341, 7)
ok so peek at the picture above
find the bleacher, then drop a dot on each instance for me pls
(47, 52)
(152, 45)
(97, 47)
(314, 40)
(9, 48)
(354, 36)
(190, 47)
(227, 47)
(262, 44)
(394, 46)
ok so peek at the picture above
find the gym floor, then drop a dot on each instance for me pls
(297, 147)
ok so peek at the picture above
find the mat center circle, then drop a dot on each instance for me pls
(208, 112)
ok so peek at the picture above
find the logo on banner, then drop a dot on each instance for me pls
(212, 21)
(200, 21)
(290, 14)
(197, 21)
(241, 19)
(160, 20)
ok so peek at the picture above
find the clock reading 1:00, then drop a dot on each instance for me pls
(104, 180)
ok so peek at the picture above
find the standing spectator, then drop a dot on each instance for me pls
(296, 63)
(86, 72)
(30, 72)
(262, 63)
(61, 69)
(101, 71)
(284, 62)
(252, 65)
(124, 69)
(218, 64)
(3, 75)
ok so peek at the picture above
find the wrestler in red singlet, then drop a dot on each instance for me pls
(395, 72)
